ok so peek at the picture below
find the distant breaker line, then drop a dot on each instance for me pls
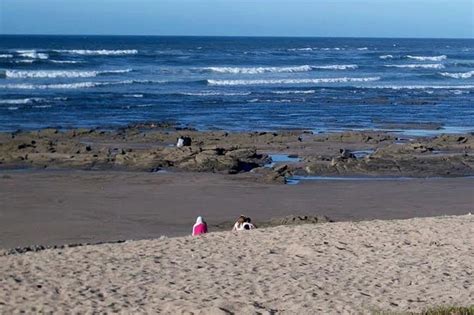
(105, 52)
(289, 69)
(458, 75)
(35, 74)
(428, 58)
(418, 65)
(290, 81)
(77, 85)
(419, 87)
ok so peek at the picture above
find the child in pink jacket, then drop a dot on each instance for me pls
(200, 227)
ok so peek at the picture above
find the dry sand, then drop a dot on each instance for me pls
(311, 269)
(64, 207)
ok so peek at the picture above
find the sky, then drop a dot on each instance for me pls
(328, 18)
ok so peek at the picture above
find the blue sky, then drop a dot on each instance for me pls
(358, 18)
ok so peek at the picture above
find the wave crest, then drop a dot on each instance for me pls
(257, 70)
(105, 52)
(33, 54)
(427, 58)
(459, 75)
(16, 74)
(290, 81)
(422, 66)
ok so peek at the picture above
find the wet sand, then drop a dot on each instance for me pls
(64, 207)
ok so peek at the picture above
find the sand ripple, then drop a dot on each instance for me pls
(325, 268)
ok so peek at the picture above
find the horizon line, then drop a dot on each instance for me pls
(239, 36)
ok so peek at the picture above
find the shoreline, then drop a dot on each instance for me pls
(73, 206)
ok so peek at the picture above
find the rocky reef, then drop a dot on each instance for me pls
(151, 147)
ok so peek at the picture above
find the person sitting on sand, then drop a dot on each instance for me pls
(248, 224)
(238, 226)
(200, 227)
(243, 223)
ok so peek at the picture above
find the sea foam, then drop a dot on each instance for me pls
(257, 70)
(99, 52)
(292, 69)
(295, 92)
(421, 66)
(290, 81)
(20, 101)
(419, 87)
(428, 58)
(16, 74)
(33, 54)
(459, 75)
(77, 85)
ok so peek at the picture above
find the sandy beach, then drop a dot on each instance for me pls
(330, 268)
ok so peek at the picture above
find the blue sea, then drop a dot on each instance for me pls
(232, 83)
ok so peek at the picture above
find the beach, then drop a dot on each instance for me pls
(330, 268)
(354, 157)
(87, 186)
(68, 207)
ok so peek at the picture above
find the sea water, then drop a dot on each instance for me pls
(319, 84)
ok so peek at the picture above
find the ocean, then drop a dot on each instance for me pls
(413, 86)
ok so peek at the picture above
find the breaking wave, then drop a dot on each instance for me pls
(212, 93)
(422, 66)
(99, 52)
(20, 101)
(295, 92)
(459, 75)
(386, 57)
(78, 85)
(427, 58)
(259, 70)
(290, 81)
(419, 87)
(17, 74)
(33, 54)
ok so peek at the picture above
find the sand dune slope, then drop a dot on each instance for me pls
(326, 268)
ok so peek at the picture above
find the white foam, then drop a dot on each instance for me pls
(41, 106)
(301, 49)
(420, 87)
(421, 66)
(362, 48)
(65, 61)
(134, 95)
(257, 70)
(212, 93)
(290, 81)
(386, 57)
(13, 108)
(459, 75)
(291, 69)
(78, 85)
(428, 58)
(99, 52)
(20, 101)
(6, 56)
(335, 48)
(16, 74)
(24, 61)
(336, 67)
(295, 92)
(33, 54)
